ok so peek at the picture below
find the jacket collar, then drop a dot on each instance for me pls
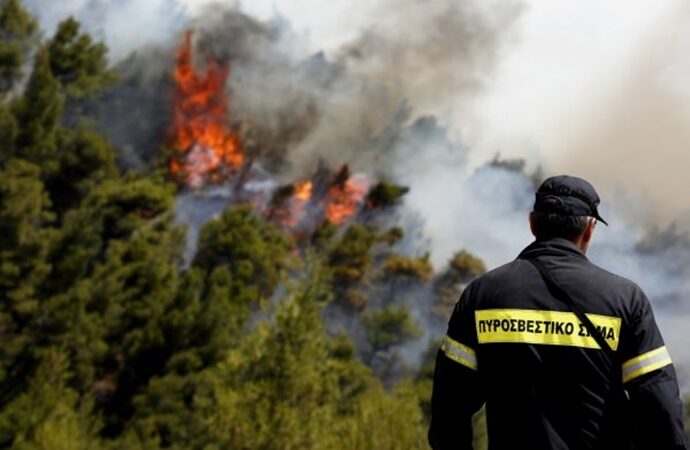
(551, 247)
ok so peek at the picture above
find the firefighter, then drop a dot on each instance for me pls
(517, 344)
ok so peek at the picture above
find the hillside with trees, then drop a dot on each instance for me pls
(112, 340)
(264, 338)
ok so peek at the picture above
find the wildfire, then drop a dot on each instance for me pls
(335, 197)
(207, 149)
(344, 199)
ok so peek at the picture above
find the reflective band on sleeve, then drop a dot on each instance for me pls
(459, 353)
(645, 363)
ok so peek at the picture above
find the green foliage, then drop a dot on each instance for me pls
(384, 194)
(400, 273)
(392, 236)
(115, 275)
(50, 415)
(24, 211)
(72, 161)
(24, 237)
(208, 317)
(323, 235)
(448, 286)
(113, 211)
(16, 30)
(425, 377)
(350, 257)
(386, 421)
(280, 389)
(38, 112)
(77, 62)
(253, 250)
(465, 266)
(406, 268)
(9, 129)
(389, 327)
(85, 161)
(15, 21)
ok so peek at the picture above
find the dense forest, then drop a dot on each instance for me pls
(272, 334)
(111, 338)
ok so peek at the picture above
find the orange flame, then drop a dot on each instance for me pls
(206, 147)
(288, 206)
(343, 200)
(302, 196)
(303, 190)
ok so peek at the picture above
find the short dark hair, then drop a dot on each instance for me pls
(551, 225)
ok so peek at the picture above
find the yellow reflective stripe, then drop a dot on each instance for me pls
(645, 363)
(459, 353)
(543, 327)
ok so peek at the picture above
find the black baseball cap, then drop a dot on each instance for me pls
(568, 195)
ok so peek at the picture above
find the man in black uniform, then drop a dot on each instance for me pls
(517, 345)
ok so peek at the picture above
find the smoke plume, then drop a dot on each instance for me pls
(632, 131)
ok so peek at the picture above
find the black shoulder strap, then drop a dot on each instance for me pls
(567, 299)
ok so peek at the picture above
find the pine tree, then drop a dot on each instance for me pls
(279, 389)
(135, 288)
(253, 250)
(402, 272)
(384, 194)
(115, 264)
(17, 29)
(77, 62)
(350, 260)
(38, 112)
(389, 327)
(449, 284)
(85, 161)
(114, 211)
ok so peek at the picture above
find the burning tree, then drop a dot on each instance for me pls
(207, 150)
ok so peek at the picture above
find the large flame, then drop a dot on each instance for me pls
(208, 151)
(206, 148)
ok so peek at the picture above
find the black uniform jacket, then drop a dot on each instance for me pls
(546, 383)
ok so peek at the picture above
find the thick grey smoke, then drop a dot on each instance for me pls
(632, 130)
(430, 56)
(125, 25)
(337, 108)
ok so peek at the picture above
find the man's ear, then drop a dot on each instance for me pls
(589, 231)
(531, 224)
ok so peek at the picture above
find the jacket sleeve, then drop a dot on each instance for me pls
(650, 379)
(456, 394)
